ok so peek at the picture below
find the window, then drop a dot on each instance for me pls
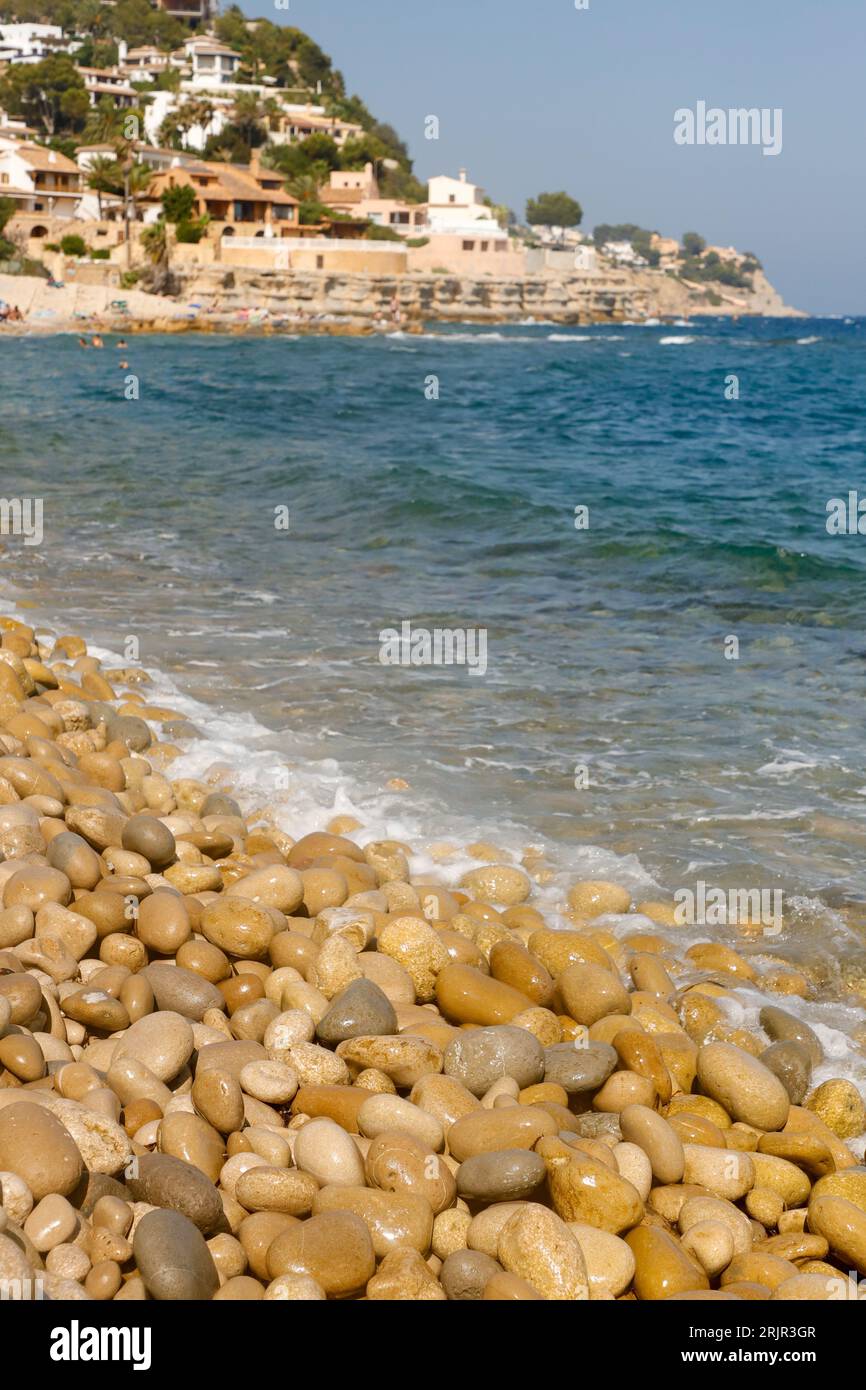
(452, 198)
(320, 263)
(469, 246)
(502, 245)
(485, 245)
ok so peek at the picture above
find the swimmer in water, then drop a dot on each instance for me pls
(97, 341)
(82, 342)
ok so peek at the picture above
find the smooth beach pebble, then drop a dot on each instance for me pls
(593, 898)
(610, 1263)
(502, 1176)
(646, 1128)
(590, 993)
(333, 1248)
(163, 1041)
(397, 1162)
(747, 1090)
(583, 1189)
(478, 1058)
(326, 1151)
(361, 1009)
(384, 1113)
(539, 1247)
(392, 1218)
(662, 1267)
(173, 1259)
(274, 1083)
(466, 1273)
(37, 1147)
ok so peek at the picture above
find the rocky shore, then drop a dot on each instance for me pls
(236, 1065)
(217, 299)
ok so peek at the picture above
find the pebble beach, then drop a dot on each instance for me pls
(238, 1063)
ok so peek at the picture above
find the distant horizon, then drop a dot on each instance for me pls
(585, 100)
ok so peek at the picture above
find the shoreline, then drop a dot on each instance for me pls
(385, 995)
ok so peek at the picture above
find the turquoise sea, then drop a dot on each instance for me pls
(618, 724)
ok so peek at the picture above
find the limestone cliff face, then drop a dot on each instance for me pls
(367, 300)
(364, 301)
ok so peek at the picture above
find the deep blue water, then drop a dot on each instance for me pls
(606, 646)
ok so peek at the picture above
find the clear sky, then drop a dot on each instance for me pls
(536, 95)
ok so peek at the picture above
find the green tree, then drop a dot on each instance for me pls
(154, 239)
(553, 210)
(693, 244)
(7, 210)
(248, 114)
(50, 94)
(178, 203)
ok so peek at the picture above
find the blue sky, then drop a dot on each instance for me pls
(534, 95)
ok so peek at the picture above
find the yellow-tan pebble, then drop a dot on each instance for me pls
(758, 1267)
(403, 1275)
(468, 996)
(781, 1177)
(746, 1089)
(273, 1083)
(486, 1131)
(238, 927)
(514, 965)
(765, 1206)
(558, 949)
(445, 1097)
(640, 1053)
(711, 1245)
(594, 897)
(839, 1104)
(53, 1221)
(397, 1162)
(703, 1210)
(403, 1057)
(583, 1189)
(623, 1089)
(702, 1106)
(505, 1287)
(103, 1281)
(662, 1266)
(843, 1226)
(217, 1096)
(815, 1288)
(334, 1248)
(609, 1260)
(326, 1151)
(392, 1218)
(633, 1165)
(539, 1247)
(276, 1189)
(383, 1113)
(498, 883)
(643, 1126)
(450, 1232)
(418, 948)
(723, 1172)
(806, 1150)
(590, 992)
(294, 1288)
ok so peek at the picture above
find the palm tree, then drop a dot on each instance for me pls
(104, 176)
(247, 114)
(105, 123)
(154, 239)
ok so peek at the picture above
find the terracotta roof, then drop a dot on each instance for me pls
(231, 184)
(47, 161)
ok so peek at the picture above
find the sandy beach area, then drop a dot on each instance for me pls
(241, 1065)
